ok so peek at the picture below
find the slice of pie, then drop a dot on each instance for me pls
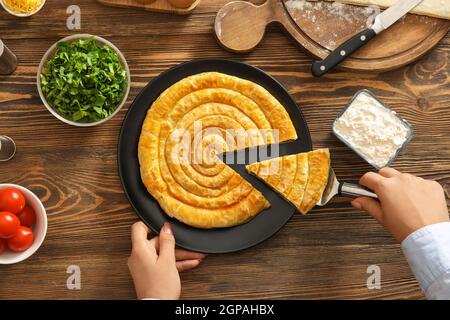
(299, 178)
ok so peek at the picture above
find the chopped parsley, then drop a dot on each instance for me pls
(83, 81)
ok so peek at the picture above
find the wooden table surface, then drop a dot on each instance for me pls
(74, 170)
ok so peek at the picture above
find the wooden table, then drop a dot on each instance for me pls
(74, 170)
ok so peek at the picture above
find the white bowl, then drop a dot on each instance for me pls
(52, 51)
(39, 229)
(22, 14)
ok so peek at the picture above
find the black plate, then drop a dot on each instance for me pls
(260, 228)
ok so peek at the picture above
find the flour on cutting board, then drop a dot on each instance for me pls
(345, 12)
(319, 11)
(432, 8)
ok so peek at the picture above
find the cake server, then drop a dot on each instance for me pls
(382, 21)
(334, 187)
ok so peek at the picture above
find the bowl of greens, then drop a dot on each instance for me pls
(83, 80)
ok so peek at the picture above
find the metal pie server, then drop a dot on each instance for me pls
(334, 187)
(382, 21)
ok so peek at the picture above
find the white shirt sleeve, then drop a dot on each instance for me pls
(428, 253)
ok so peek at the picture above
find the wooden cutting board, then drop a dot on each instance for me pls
(158, 6)
(321, 26)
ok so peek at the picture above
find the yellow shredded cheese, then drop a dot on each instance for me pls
(23, 6)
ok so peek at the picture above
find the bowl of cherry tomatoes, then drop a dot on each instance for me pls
(23, 223)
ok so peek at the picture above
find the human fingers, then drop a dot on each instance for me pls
(187, 264)
(369, 205)
(167, 244)
(388, 172)
(182, 254)
(139, 233)
(372, 181)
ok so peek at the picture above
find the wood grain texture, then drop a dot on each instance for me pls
(74, 170)
(320, 27)
(157, 5)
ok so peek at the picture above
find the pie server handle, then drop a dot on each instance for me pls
(355, 190)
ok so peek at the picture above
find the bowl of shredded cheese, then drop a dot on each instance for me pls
(22, 8)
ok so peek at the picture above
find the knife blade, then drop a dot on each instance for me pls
(382, 21)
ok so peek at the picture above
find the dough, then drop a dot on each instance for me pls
(299, 178)
(432, 8)
(187, 126)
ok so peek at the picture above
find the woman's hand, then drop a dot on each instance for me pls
(406, 202)
(154, 264)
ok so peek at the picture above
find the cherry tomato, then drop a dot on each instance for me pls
(9, 225)
(2, 246)
(22, 240)
(27, 217)
(11, 200)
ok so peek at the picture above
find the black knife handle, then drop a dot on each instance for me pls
(319, 68)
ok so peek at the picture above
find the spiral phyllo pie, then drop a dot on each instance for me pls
(184, 130)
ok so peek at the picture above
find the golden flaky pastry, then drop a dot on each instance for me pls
(299, 178)
(187, 126)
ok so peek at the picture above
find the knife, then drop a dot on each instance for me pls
(382, 21)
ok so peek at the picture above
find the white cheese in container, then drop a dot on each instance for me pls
(372, 130)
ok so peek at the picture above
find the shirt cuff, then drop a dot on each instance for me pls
(428, 253)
